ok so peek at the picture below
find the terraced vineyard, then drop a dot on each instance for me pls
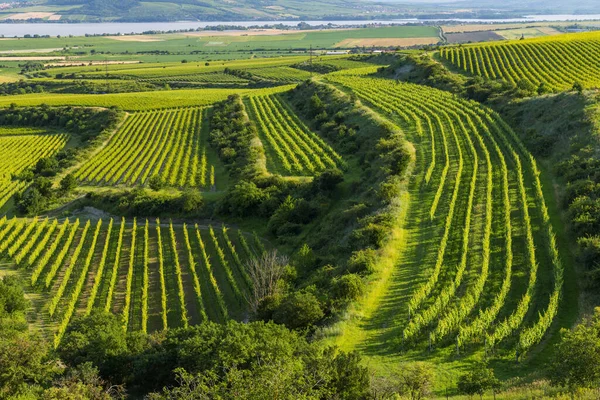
(21, 150)
(171, 144)
(481, 263)
(154, 274)
(292, 149)
(558, 62)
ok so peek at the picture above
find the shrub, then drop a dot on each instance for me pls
(191, 200)
(348, 287)
(156, 183)
(68, 184)
(363, 261)
(328, 180)
(298, 310)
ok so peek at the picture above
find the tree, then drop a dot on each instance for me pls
(417, 380)
(576, 362)
(98, 338)
(68, 184)
(578, 87)
(328, 180)
(32, 202)
(348, 287)
(478, 381)
(265, 272)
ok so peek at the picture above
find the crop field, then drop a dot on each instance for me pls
(480, 266)
(164, 99)
(211, 77)
(153, 70)
(170, 144)
(22, 148)
(280, 74)
(557, 62)
(292, 149)
(155, 275)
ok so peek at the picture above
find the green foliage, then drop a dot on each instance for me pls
(417, 380)
(299, 310)
(156, 182)
(98, 338)
(68, 184)
(348, 287)
(236, 139)
(12, 299)
(477, 381)
(191, 200)
(576, 363)
(327, 180)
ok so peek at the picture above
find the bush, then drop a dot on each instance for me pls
(156, 182)
(68, 184)
(363, 261)
(191, 200)
(98, 338)
(328, 180)
(299, 310)
(348, 287)
(12, 297)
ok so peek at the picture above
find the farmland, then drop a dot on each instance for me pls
(533, 60)
(421, 209)
(156, 275)
(474, 157)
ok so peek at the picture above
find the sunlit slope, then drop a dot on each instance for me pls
(557, 62)
(480, 266)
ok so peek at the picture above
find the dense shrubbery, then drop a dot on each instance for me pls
(563, 129)
(236, 139)
(147, 203)
(86, 124)
(226, 357)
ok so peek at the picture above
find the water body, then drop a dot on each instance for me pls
(81, 29)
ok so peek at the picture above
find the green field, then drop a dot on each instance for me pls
(156, 275)
(493, 278)
(364, 201)
(556, 62)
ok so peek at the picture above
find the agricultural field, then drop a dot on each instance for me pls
(292, 149)
(557, 62)
(135, 101)
(157, 275)
(481, 256)
(23, 148)
(168, 144)
(270, 208)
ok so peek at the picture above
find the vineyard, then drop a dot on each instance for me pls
(169, 144)
(557, 62)
(481, 253)
(22, 148)
(292, 149)
(154, 274)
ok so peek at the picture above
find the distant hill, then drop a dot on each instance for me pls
(218, 10)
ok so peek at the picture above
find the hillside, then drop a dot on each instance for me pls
(213, 10)
(201, 215)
